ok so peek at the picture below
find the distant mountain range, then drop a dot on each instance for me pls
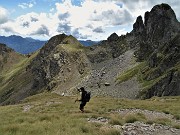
(22, 45)
(29, 45)
(88, 42)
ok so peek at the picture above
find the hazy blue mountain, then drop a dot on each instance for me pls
(88, 42)
(29, 45)
(22, 45)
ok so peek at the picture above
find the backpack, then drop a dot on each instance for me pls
(87, 96)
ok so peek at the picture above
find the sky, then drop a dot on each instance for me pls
(84, 19)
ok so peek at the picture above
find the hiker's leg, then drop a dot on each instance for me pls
(82, 106)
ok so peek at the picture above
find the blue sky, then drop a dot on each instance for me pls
(84, 19)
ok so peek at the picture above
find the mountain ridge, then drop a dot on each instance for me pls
(29, 45)
(151, 65)
(22, 45)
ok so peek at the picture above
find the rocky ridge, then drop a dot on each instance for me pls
(159, 46)
(59, 64)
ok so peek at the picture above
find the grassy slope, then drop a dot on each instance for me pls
(51, 114)
(141, 71)
(14, 78)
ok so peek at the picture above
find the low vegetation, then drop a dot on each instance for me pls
(128, 74)
(52, 114)
(14, 77)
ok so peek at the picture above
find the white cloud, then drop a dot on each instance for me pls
(98, 30)
(3, 15)
(121, 31)
(27, 5)
(52, 9)
(93, 19)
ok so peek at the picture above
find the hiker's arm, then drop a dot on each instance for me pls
(78, 100)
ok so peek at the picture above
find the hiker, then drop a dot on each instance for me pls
(85, 97)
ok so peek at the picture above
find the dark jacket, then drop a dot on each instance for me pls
(83, 96)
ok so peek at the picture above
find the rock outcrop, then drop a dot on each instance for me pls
(61, 62)
(159, 46)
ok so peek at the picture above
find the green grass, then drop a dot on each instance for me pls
(52, 114)
(14, 78)
(163, 121)
(130, 119)
(128, 74)
(142, 71)
(70, 47)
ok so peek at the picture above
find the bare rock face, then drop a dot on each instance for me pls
(161, 24)
(159, 46)
(138, 26)
(169, 85)
(60, 61)
(113, 37)
(4, 49)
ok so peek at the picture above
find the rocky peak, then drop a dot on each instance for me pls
(113, 37)
(58, 62)
(138, 26)
(56, 40)
(160, 24)
(163, 10)
(72, 41)
(4, 49)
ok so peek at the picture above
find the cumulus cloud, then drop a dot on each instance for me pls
(112, 17)
(34, 19)
(31, 24)
(94, 19)
(3, 15)
(52, 9)
(43, 30)
(89, 26)
(139, 7)
(27, 5)
(91, 16)
(78, 35)
(98, 30)
(64, 16)
(25, 24)
(64, 28)
(7, 29)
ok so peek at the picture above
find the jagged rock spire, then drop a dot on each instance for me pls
(160, 24)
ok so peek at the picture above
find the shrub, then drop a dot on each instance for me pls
(165, 111)
(116, 122)
(112, 132)
(84, 129)
(163, 121)
(130, 119)
(177, 117)
(177, 126)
